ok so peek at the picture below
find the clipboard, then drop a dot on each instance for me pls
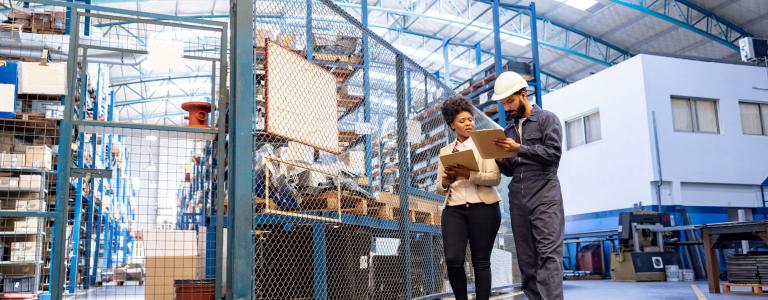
(485, 143)
(464, 158)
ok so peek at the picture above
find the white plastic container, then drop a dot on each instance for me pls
(673, 273)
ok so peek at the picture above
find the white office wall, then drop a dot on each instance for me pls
(708, 169)
(615, 172)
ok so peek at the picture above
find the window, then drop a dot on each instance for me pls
(695, 115)
(754, 118)
(583, 130)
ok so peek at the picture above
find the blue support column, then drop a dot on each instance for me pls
(446, 62)
(367, 98)
(58, 253)
(497, 56)
(240, 265)
(309, 35)
(404, 172)
(497, 38)
(108, 242)
(430, 271)
(535, 50)
(92, 200)
(126, 240)
(319, 261)
(478, 54)
(94, 271)
(73, 265)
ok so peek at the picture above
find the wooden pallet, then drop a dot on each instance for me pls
(380, 210)
(350, 203)
(18, 296)
(325, 202)
(338, 58)
(11, 27)
(29, 116)
(756, 288)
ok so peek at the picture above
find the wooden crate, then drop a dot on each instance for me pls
(422, 210)
(326, 202)
(350, 203)
(755, 288)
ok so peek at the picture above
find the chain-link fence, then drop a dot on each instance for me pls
(346, 133)
(347, 138)
(32, 86)
(104, 108)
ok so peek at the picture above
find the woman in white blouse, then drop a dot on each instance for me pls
(471, 213)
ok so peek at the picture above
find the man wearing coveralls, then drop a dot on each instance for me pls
(535, 202)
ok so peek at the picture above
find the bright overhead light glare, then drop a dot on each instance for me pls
(436, 56)
(517, 40)
(580, 4)
(164, 54)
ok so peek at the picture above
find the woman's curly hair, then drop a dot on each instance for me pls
(454, 106)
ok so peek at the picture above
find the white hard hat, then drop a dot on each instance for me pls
(507, 84)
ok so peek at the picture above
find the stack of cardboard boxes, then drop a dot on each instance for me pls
(47, 22)
(33, 157)
(38, 157)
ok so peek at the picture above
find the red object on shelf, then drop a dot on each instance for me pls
(198, 113)
(190, 289)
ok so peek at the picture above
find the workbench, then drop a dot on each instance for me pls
(715, 235)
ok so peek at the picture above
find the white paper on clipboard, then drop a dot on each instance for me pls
(485, 143)
(465, 158)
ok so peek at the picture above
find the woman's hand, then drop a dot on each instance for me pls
(447, 181)
(458, 172)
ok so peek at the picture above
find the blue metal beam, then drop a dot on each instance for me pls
(158, 99)
(561, 37)
(691, 17)
(157, 79)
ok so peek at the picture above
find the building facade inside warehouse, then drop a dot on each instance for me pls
(383, 149)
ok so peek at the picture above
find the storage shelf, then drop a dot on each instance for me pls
(11, 233)
(26, 262)
(25, 190)
(24, 170)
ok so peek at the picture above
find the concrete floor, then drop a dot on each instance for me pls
(607, 289)
(575, 289)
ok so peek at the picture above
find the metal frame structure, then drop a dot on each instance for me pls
(77, 14)
(692, 17)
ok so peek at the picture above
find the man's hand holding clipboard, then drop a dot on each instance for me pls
(493, 144)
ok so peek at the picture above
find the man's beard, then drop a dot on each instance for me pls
(520, 113)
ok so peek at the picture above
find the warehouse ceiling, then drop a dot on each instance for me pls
(577, 37)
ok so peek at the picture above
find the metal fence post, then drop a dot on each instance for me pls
(240, 283)
(58, 252)
(404, 170)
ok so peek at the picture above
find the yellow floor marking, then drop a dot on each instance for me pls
(697, 291)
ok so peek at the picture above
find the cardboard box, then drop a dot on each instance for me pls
(43, 80)
(23, 246)
(9, 182)
(161, 271)
(12, 160)
(23, 251)
(29, 225)
(38, 157)
(28, 205)
(355, 160)
(33, 182)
